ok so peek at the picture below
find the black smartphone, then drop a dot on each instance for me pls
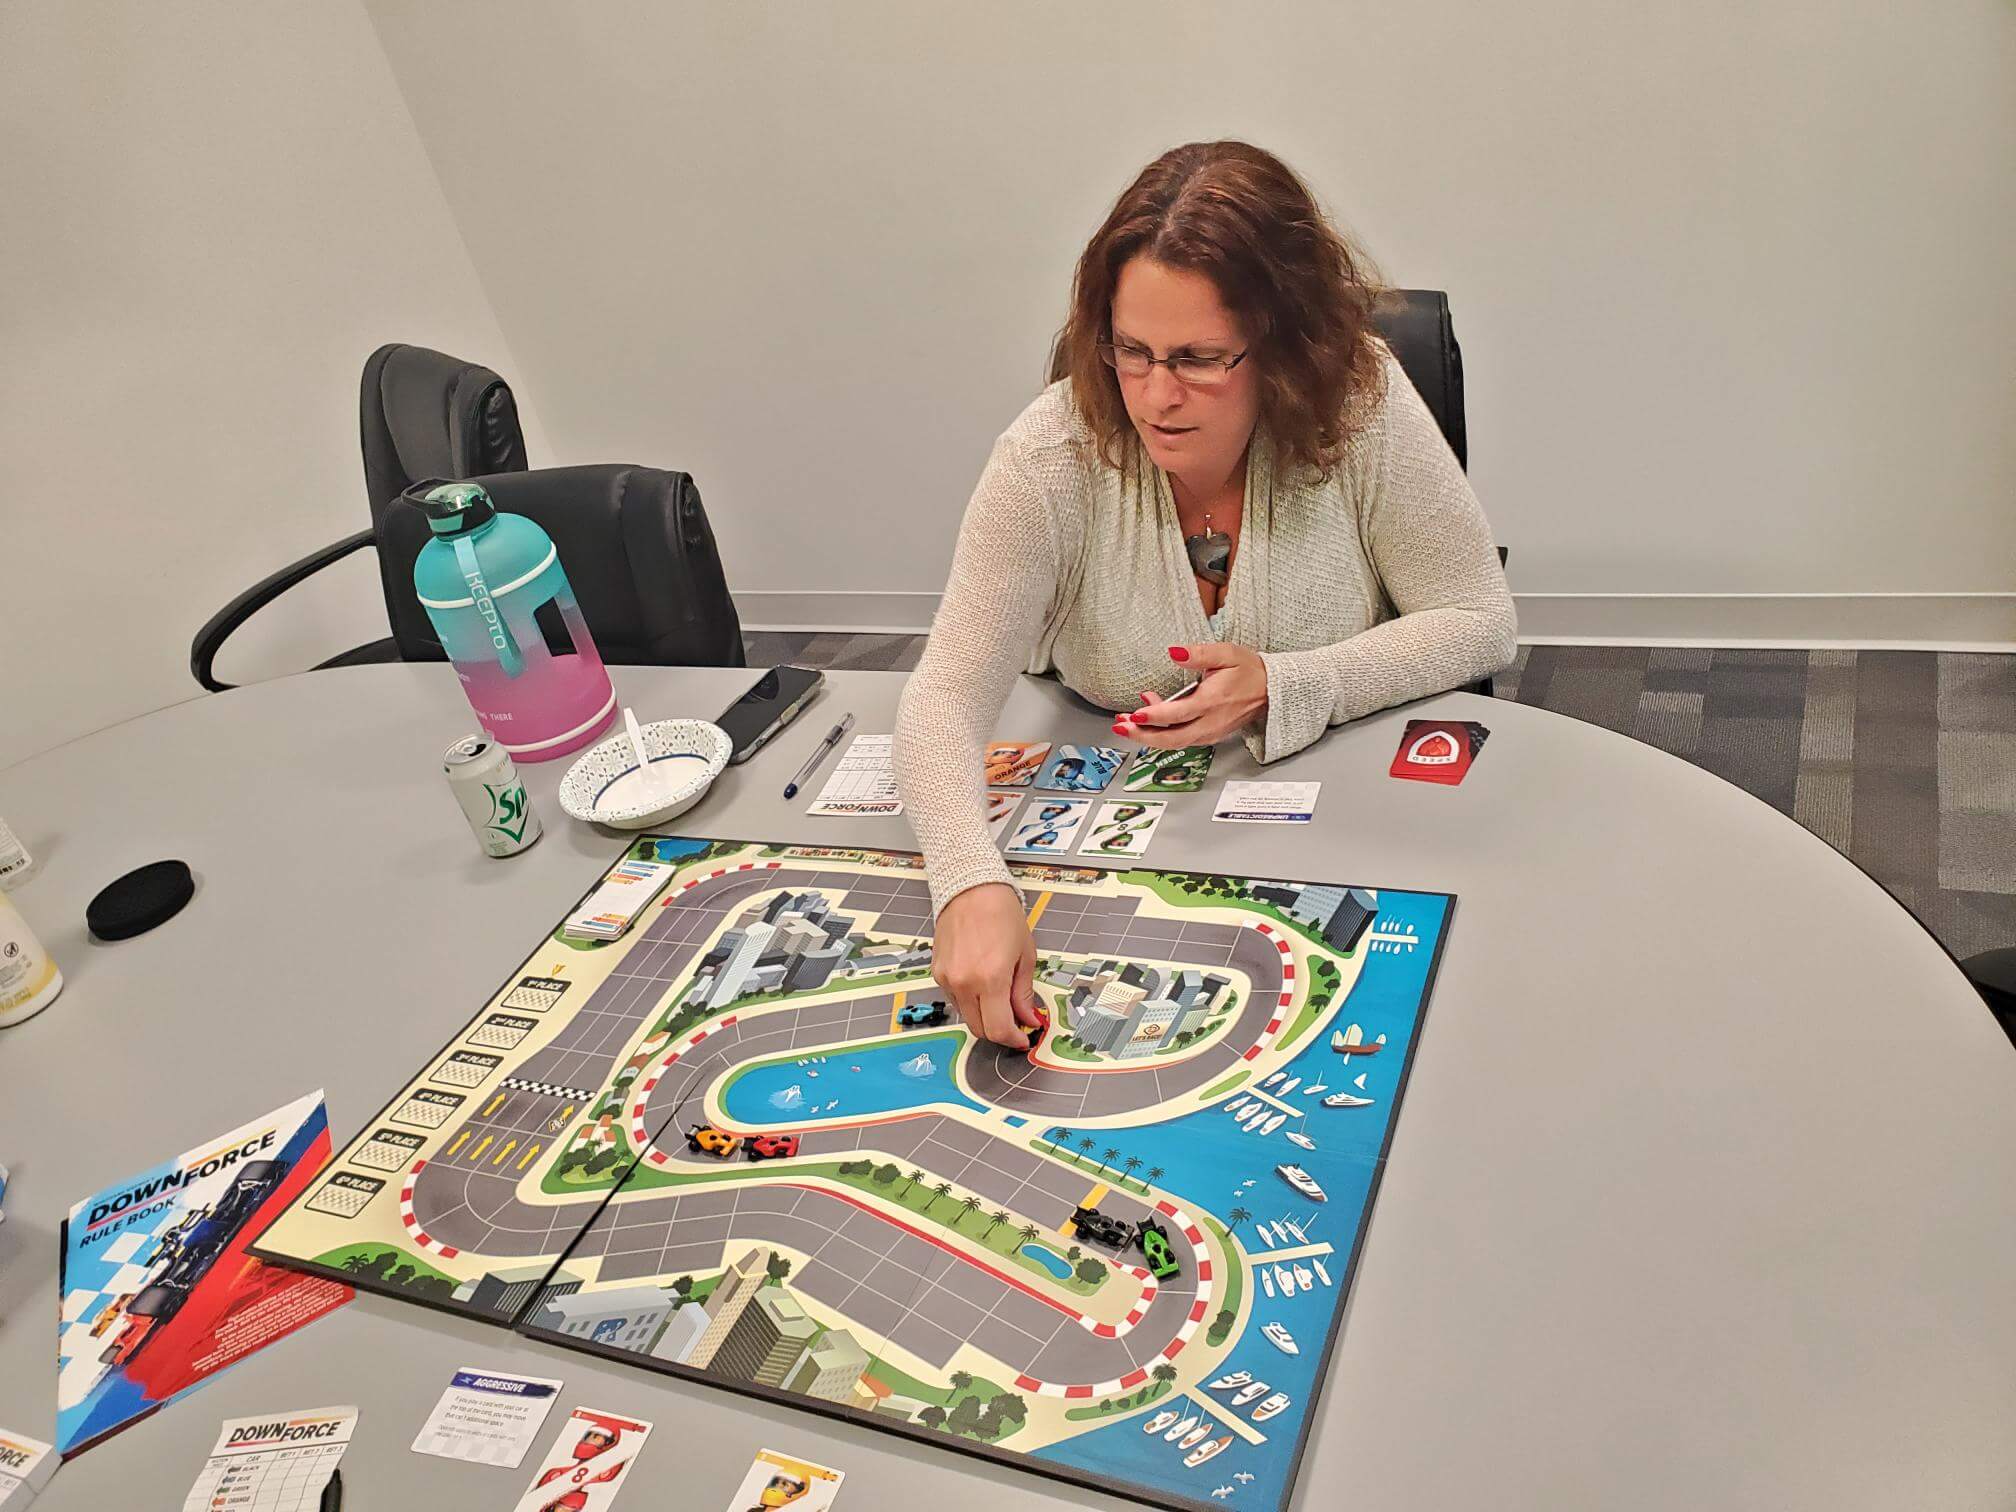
(780, 696)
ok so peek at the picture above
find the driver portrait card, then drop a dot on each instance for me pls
(1049, 825)
(1124, 828)
(1015, 763)
(1438, 750)
(588, 1464)
(777, 1480)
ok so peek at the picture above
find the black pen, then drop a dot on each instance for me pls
(833, 738)
(332, 1494)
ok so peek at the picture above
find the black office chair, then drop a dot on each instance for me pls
(1415, 323)
(635, 540)
(1993, 973)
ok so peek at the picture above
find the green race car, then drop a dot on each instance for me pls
(1156, 1249)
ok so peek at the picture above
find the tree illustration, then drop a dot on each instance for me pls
(1085, 1145)
(1106, 1157)
(1090, 1271)
(961, 1381)
(1154, 1174)
(1026, 1232)
(943, 1189)
(1074, 1254)
(884, 1174)
(970, 1203)
(910, 1179)
(1131, 1164)
(1010, 1408)
(932, 1417)
(1237, 1216)
(1165, 1372)
(778, 1268)
(994, 1220)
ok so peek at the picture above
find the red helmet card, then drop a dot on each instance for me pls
(1438, 750)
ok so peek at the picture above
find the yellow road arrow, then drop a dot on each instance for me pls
(460, 1140)
(493, 1106)
(477, 1153)
(526, 1159)
(509, 1146)
(1042, 902)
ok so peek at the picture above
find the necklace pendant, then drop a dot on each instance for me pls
(1210, 556)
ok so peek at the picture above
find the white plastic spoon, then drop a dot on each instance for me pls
(653, 779)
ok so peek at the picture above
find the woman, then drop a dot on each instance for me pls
(1229, 476)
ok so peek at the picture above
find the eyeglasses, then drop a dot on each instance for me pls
(1188, 370)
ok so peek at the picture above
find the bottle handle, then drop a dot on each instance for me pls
(508, 655)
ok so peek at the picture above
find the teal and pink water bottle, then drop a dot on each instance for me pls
(494, 589)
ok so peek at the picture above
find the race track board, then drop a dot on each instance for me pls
(944, 1238)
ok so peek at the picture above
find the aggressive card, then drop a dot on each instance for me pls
(1080, 769)
(1438, 750)
(1049, 826)
(1015, 763)
(1179, 771)
(1123, 828)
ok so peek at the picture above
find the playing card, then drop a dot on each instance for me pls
(1049, 825)
(1267, 802)
(1014, 763)
(778, 1480)
(1080, 769)
(588, 1464)
(1438, 750)
(1178, 771)
(1001, 809)
(1123, 828)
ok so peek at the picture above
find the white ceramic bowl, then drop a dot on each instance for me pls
(605, 786)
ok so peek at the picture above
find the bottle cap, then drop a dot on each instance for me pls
(455, 507)
(140, 900)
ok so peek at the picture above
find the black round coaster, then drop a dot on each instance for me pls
(140, 900)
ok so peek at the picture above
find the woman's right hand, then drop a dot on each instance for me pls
(983, 956)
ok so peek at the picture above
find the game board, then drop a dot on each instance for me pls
(747, 1143)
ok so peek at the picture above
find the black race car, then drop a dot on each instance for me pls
(1097, 1228)
(191, 1247)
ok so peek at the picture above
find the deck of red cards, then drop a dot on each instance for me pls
(1438, 750)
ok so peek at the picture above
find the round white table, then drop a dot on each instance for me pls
(1702, 1194)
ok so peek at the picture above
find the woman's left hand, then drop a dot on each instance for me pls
(1231, 695)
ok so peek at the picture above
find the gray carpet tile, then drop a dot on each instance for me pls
(1904, 761)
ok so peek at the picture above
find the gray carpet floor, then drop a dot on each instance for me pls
(1904, 761)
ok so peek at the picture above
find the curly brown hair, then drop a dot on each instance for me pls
(1300, 291)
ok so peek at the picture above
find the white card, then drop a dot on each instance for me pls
(794, 1483)
(25, 1467)
(488, 1417)
(1268, 802)
(864, 784)
(278, 1462)
(1001, 809)
(625, 893)
(588, 1464)
(1123, 828)
(1049, 825)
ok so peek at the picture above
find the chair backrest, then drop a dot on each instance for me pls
(424, 414)
(1415, 324)
(638, 552)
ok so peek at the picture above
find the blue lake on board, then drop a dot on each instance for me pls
(1050, 1260)
(890, 1079)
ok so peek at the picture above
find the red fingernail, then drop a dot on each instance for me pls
(1178, 653)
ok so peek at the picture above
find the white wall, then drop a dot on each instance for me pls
(1732, 281)
(213, 215)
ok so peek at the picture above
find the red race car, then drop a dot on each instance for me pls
(773, 1146)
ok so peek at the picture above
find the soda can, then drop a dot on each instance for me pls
(485, 783)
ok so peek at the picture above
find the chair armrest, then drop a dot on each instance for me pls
(210, 639)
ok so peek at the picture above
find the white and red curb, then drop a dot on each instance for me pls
(1287, 995)
(639, 1135)
(406, 1216)
(1199, 1309)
